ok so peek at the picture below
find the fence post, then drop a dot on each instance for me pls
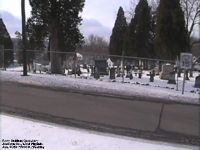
(75, 63)
(122, 66)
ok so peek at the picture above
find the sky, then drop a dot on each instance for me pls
(98, 15)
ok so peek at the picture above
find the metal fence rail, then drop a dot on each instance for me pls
(87, 58)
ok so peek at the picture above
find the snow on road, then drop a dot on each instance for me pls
(59, 137)
(136, 87)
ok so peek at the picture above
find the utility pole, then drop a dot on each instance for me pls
(199, 94)
(122, 65)
(24, 37)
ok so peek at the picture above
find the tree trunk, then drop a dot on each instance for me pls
(55, 57)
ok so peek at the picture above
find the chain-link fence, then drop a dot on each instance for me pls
(76, 62)
(79, 62)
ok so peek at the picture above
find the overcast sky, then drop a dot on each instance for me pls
(98, 15)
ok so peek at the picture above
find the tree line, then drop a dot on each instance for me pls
(161, 33)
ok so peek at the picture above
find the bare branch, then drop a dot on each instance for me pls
(191, 10)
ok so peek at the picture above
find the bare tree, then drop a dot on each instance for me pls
(95, 41)
(154, 4)
(95, 44)
(131, 10)
(191, 9)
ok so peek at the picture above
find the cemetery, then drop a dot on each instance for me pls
(134, 71)
(107, 73)
(130, 68)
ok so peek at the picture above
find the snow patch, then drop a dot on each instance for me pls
(59, 137)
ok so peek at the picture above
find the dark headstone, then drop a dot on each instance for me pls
(128, 68)
(179, 73)
(131, 76)
(171, 79)
(85, 66)
(69, 72)
(112, 73)
(197, 82)
(96, 73)
(140, 75)
(152, 75)
(101, 65)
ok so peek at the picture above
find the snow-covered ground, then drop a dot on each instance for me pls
(130, 88)
(59, 137)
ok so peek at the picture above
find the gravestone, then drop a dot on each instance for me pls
(128, 68)
(131, 76)
(101, 65)
(140, 74)
(85, 66)
(128, 71)
(96, 73)
(112, 73)
(152, 75)
(69, 72)
(167, 69)
(172, 79)
(197, 82)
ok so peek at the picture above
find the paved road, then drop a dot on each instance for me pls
(117, 112)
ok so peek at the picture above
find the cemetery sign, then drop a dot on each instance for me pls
(186, 61)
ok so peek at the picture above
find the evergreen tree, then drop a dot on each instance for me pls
(171, 34)
(118, 34)
(62, 20)
(6, 41)
(130, 39)
(36, 35)
(139, 39)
